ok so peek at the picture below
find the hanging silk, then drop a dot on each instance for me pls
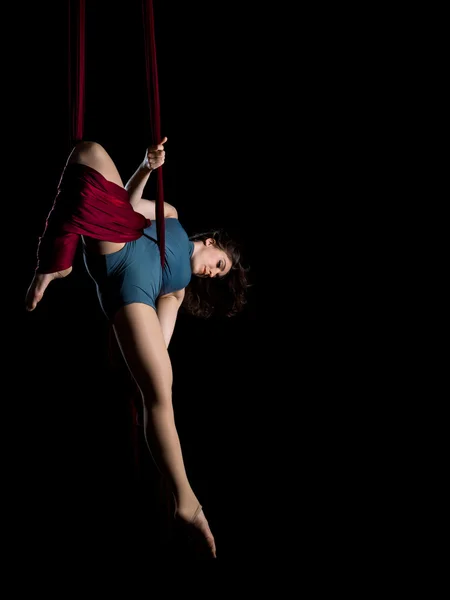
(155, 112)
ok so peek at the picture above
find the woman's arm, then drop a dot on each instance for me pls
(167, 310)
(148, 209)
(154, 158)
(136, 184)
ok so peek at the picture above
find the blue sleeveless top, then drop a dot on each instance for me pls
(134, 274)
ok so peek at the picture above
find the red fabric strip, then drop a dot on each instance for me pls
(76, 68)
(155, 112)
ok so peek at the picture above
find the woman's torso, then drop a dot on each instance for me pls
(133, 272)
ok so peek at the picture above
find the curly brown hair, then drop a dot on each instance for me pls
(225, 296)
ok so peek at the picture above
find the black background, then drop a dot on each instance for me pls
(249, 103)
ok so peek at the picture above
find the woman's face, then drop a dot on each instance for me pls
(209, 261)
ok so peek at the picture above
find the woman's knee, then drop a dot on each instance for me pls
(95, 156)
(86, 152)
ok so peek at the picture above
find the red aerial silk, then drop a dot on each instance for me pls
(76, 68)
(155, 112)
(86, 203)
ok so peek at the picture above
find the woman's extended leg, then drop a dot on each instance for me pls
(141, 341)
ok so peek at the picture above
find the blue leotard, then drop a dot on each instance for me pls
(134, 274)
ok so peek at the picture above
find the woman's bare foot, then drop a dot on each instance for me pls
(39, 285)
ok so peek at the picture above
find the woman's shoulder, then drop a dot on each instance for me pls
(173, 223)
(175, 226)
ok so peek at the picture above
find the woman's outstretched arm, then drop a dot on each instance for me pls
(143, 346)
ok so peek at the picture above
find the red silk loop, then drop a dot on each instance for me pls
(86, 204)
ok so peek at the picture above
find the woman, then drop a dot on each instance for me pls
(139, 297)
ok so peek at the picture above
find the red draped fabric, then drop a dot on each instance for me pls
(86, 204)
(155, 112)
(92, 216)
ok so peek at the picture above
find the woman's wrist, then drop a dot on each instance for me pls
(146, 167)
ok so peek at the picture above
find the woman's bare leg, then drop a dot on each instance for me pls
(95, 156)
(144, 349)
